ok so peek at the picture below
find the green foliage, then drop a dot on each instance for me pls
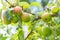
(36, 4)
(7, 17)
(21, 35)
(2, 38)
(55, 10)
(15, 19)
(24, 4)
(43, 24)
(44, 2)
(46, 31)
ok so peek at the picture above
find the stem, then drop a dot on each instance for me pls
(11, 5)
(33, 24)
(8, 2)
(39, 17)
(29, 34)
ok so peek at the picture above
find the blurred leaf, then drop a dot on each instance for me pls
(15, 36)
(4, 7)
(51, 37)
(24, 4)
(47, 31)
(2, 38)
(39, 31)
(59, 1)
(35, 4)
(44, 2)
(21, 35)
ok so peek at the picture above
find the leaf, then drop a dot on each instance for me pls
(59, 1)
(39, 31)
(24, 4)
(8, 14)
(35, 4)
(51, 37)
(47, 31)
(21, 34)
(44, 2)
(15, 36)
(2, 38)
(17, 1)
(20, 31)
(55, 9)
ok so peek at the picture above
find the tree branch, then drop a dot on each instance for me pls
(29, 34)
(33, 24)
(11, 5)
(8, 2)
(54, 15)
(39, 17)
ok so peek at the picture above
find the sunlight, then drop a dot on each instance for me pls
(1, 6)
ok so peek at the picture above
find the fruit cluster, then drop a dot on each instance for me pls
(13, 15)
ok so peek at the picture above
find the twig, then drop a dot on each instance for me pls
(11, 5)
(54, 15)
(39, 17)
(32, 13)
(8, 2)
(29, 34)
(31, 31)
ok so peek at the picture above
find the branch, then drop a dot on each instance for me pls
(8, 2)
(54, 15)
(39, 17)
(11, 5)
(29, 34)
(32, 13)
(31, 30)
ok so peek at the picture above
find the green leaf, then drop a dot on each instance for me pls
(47, 31)
(21, 34)
(15, 36)
(35, 4)
(55, 9)
(17, 1)
(44, 2)
(2, 38)
(59, 1)
(24, 4)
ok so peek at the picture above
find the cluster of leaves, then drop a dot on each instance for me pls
(43, 24)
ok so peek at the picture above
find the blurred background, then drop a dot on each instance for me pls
(36, 7)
